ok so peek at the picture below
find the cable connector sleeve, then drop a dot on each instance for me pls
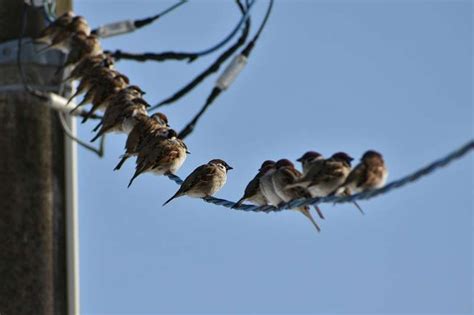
(114, 29)
(231, 72)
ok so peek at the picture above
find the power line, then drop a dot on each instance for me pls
(128, 26)
(191, 56)
(422, 172)
(214, 67)
(228, 76)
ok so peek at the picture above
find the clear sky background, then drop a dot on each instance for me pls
(395, 76)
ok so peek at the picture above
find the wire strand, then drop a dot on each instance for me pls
(189, 128)
(190, 56)
(422, 172)
(214, 67)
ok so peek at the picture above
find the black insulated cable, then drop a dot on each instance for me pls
(228, 76)
(128, 26)
(214, 67)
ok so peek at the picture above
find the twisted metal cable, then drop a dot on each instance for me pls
(344, 199)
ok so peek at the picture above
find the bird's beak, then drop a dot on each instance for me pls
(300, 159)
(187, 152)
(229, 168)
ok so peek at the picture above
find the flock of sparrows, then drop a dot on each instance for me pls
(158, 149)
(280, 182)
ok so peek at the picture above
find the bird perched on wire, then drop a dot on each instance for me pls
(309, 160)
(146, 125)
(252, 191)
(99, 93)
(161, 156)
(267, 188)
(121, 118)
(47, 34)
(82, 45)
(323, 180)
(94, 77)
(62, 37)
(370, 173)
(287, 174)
(204, 181)
(90, 63)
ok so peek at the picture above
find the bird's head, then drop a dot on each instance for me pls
(284, 163)
(160, 119)
(371, 155)
(220, 163)
(343, 157)
(309, 157)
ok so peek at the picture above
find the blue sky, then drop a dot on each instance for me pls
(395, 76)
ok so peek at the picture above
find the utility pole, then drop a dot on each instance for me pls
(33, 175)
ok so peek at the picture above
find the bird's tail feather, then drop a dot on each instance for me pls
(98, 126)
(178, 194)
(98, 135)
(306, 213)
(119, 165)
(320, 213)
(358, 207)
(133, 177)
(238, 203)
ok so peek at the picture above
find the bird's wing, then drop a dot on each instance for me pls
(203, 173)
(253, 186)
(356, 176)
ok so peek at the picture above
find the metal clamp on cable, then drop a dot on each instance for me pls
(116, 28)
(231, 72)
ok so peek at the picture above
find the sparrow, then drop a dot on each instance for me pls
(62, 38)
(100, 88)
(98, 94)
(82, 45)
(162, 156)
(116, 102)
(286, 174)
(89, 64)
(93, 78)
(252, 191)
(121, 119)
(48, 33)
(281, 180)
(322, 180)
(370, 173)
(266, 186)
(128, 93)
(309, 159)
(204, 181)
(156, 123)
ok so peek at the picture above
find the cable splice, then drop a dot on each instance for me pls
(171, 55)
(128, 26)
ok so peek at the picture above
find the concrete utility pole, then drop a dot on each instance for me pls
(33, 252)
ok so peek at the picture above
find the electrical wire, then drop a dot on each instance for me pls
(216, 91)
(190, 56)
(296, 203)
(127, 26)
(214, 67)
(143, 22)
